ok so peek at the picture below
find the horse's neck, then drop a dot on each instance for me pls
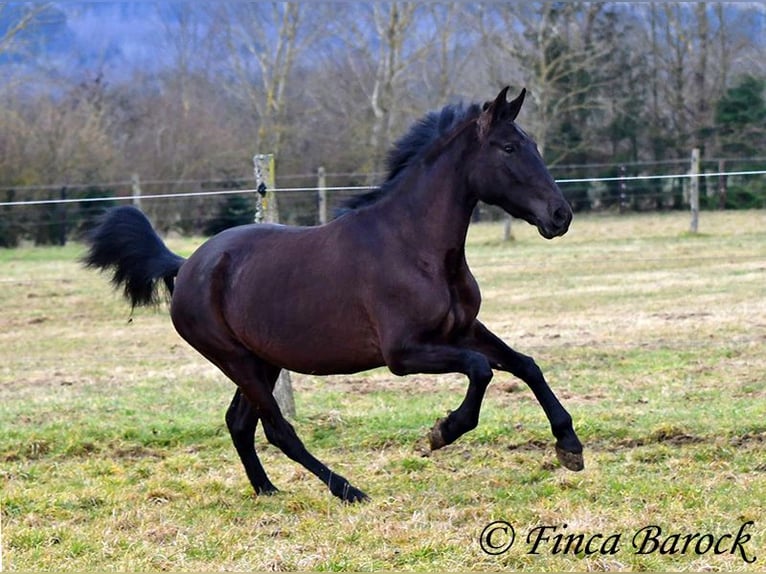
(433, 207)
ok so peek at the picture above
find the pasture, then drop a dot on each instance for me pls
(114, 453)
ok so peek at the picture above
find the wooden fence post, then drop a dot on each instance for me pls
(694, 192)
(62, 218)
(136, 191)
(322, 195)
(507, 233)
(266, 208)
(722, 184)
(623, 186)
(266, 211)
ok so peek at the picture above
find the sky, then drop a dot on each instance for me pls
(107, 36)
(110, 37)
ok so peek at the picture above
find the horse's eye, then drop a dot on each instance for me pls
(509, 148)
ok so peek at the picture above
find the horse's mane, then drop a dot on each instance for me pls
(413, 146)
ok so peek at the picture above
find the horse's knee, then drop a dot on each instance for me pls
(529, 371)
(481, 373)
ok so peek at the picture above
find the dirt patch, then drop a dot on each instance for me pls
(383, 382)
(40, 381)
(681, 316)
(675, 437)
(749, 438)
(133, 452)
(531, 445)
(663, 435)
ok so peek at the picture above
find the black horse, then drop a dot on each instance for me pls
(386, 283)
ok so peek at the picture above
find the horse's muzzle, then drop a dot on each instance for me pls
(557, 223)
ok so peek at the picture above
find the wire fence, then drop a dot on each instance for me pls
(52, 214)
(308, 189)
(377, 176)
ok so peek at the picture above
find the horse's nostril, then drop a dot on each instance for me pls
(561, 216)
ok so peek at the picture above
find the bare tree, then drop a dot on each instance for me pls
(404, 58)
(20, 17)
(263, 42)
(335, 84)
(392, 22)
(553, 50)
(394, 61)
(452, 44)
(187, 43)
(66, 138)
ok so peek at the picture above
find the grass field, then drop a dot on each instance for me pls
(114, 453)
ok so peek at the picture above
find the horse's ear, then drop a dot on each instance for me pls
(515, 105)
(500, 104)
(493, 111)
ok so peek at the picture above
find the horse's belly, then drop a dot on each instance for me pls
(320, 350)
(306, 327)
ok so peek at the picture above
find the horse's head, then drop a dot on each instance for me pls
(509, 171)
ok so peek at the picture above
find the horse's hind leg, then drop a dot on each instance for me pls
(281, 434)
(254, 378)
(241, 419)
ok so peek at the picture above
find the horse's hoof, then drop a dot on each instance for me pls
(571, 460)
(267, 490)
(352, 495)
(435, 437)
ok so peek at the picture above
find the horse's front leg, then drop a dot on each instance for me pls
(433, 358)
(501, 356)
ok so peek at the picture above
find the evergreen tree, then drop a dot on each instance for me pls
(232, 211)
(740, 117)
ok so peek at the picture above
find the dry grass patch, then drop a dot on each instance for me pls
(114, 454)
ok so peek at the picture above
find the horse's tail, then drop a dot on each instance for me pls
(125, 242)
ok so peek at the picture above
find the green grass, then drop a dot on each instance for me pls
(114, 454)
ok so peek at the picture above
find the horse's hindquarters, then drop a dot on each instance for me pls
(281, 294)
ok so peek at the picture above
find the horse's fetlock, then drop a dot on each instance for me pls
(469, 422)
(563, 428)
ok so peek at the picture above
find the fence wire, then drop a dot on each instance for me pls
(314, 189)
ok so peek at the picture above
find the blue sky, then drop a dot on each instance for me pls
(109, 36)
(116, 34)
(116, 37)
